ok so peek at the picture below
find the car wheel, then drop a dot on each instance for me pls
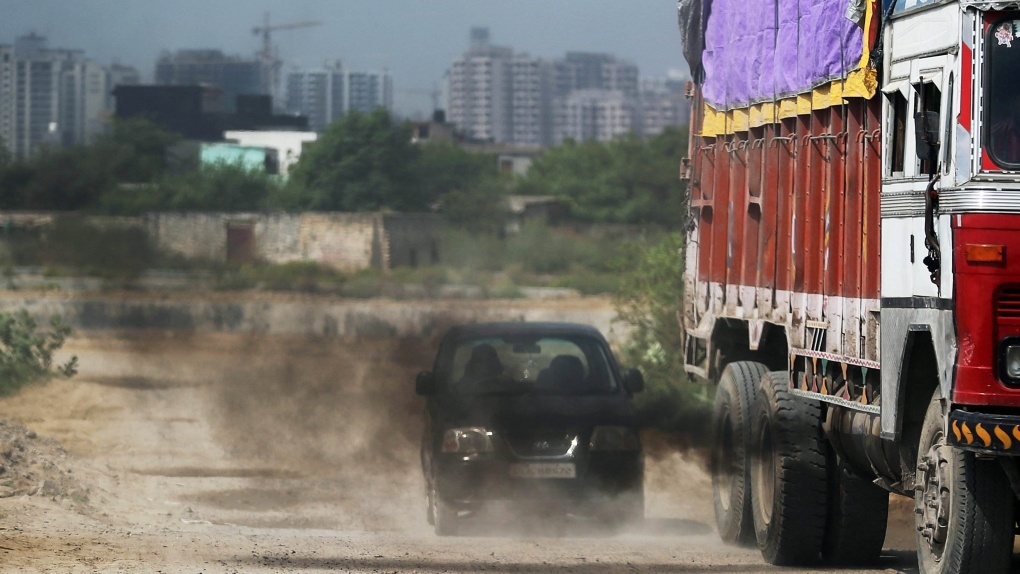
(627, 509)
(788, 474)
(963, 507)
(730, 463)
(430, 504)
(444, 516)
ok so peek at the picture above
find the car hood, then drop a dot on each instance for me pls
(532, 412)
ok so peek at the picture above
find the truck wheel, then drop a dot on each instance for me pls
(731, 430)
(858, 516)
(788, 474)
(963, 507)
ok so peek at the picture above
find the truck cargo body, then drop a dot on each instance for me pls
(854, 228)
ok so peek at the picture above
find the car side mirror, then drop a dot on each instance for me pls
(425, 383)
(634, 380)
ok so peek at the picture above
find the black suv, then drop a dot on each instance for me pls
(530, 412)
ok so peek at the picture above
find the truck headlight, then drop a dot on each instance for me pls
(469, 440)
(1009, 360)
(614, 438)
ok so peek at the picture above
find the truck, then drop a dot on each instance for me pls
(852, 272)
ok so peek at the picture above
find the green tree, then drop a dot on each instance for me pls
(361, 163)
(479, 207)
(443, 168)
(77, 178)
(219, 187)
(629, 180)
(134, 150)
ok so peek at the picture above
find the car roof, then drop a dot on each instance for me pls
(518, 328)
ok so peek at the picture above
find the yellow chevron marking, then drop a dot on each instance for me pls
(825, 389)
(843, 366)
(968, 437)
(956, 430)
(1016, 432)
(1007, 442)
(983, 435)
(864, 395)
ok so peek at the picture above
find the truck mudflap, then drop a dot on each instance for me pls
(984, 433)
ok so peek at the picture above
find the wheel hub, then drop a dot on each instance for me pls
(932, 497)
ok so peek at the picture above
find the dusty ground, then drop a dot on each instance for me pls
(217, 453)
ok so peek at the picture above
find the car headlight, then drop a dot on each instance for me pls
(617, 438)
(470, 440)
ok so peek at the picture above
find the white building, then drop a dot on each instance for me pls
(288, 145)
(479, 90)
(600, 115)
(56, 97)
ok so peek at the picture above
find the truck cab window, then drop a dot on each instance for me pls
(928, 98)
(1002, 104)
(899, 132)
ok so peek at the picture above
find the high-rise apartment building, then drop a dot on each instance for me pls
(232, 75)
(366, 91)
(592, 71)
(596, 114)
(7, 87)
(662, 104)
(56, 97)
(317, 94)
(494, 94)
(326, 94)
(480, 93)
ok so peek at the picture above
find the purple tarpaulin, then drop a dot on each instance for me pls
(762, 50)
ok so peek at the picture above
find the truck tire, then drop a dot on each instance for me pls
(788, 474)
(858, 516)
(963, 506)
(731, 437)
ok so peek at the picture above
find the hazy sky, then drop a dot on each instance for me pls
(414, 39)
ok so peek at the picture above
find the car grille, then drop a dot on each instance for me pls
(541, 445)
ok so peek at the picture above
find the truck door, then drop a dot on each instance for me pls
(925, 86)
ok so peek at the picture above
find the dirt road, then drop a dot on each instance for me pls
(225, 453)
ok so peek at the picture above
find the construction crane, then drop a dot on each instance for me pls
(269, 56)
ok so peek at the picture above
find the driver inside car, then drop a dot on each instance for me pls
(482, 369)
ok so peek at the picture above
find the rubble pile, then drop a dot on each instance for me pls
(35, 466)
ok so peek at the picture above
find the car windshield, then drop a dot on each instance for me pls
(522, 365)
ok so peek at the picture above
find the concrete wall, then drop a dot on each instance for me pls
(344, 241)
(343, 318)
(412, 240)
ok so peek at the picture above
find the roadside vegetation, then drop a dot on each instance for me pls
(26, 351)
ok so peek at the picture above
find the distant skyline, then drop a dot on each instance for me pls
(415, 40)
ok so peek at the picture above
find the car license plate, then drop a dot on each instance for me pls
(544, 470)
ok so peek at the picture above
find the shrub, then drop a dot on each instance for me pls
(650, 300)
(26, 352)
